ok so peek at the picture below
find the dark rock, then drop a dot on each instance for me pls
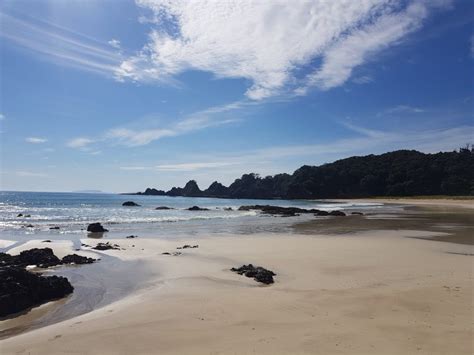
(357, 213)
(228, 209)
(258, 273)
(56, 227)
(77, 259)
(106, 246)
(337, 213)
(29, 226)
(197, 208)
(46, 241)
(191, 189)
(176, 253)
(277, 210)
(130, 204)
(43, 257)
(132, 236)
(153, 192)
(322, 213)
(187, 246)
(163, 208)
(19, 215)
(96, 228)
(216, 189)
(21, 289)
(27, 215)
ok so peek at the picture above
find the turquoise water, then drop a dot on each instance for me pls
(72, 212)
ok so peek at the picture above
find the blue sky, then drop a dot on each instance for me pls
(122, 95)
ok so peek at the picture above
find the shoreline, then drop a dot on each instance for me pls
(358, 285)
(464, 202)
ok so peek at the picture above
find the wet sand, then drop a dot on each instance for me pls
(348, 285)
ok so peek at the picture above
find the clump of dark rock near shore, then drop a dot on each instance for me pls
(77, 259)
(278, 210)
(106, 246)
(164, 208)
(21, 289)
(29, 226)
(19, 215)
(176, 253)
(197, 208)
(43, 258)
(337, 213)
(132, 237)
(228, 209)
(258, 273)
(322, 213)
(96, 228)
(55, 227)
(130, 204)
(357, 213)
(187, 246)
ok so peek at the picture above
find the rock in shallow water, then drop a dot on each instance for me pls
(258, 273)
(96, 228)
(21, 289)
(106, 246)
(77, 259)
(197, 208)
(130, 204)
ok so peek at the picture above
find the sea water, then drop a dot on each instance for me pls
(72, 212)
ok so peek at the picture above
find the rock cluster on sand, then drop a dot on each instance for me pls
(163, 208)
(21, 289)
(289, 211)
(187, 246)
(197, 208)
(258, 273)
(106, 246)
(96, 228)
(130, 204)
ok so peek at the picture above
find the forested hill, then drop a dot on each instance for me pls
(398, 173)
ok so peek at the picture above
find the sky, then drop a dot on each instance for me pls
(122, 95)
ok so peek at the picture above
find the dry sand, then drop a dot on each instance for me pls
(416, 201)
(372, 292)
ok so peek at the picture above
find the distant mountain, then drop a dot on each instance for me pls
(398, 173)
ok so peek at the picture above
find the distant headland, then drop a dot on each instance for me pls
(397, 173)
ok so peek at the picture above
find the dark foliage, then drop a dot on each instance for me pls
(399, 173)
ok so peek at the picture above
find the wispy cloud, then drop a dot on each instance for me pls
(134, 137)
(2, 117)
(270, 42)
(281, 158)
(179, 167)
(401, 109)
(79, 142)
(60, 45)
(24, 173)
(364, 79)
(36, 140)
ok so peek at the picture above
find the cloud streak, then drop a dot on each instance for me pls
(36, 140)
(60, 45)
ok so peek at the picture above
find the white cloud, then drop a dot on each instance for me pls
(114, 43)
(80, 142)
(36, 140)
(401, 109)
(270, 42)
(2, 116)
(61, 46)
(364, 79)
(25, 173)
(191, 166)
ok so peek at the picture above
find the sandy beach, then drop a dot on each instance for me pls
(380, 291)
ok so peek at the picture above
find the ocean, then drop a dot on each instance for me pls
(72, 212)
